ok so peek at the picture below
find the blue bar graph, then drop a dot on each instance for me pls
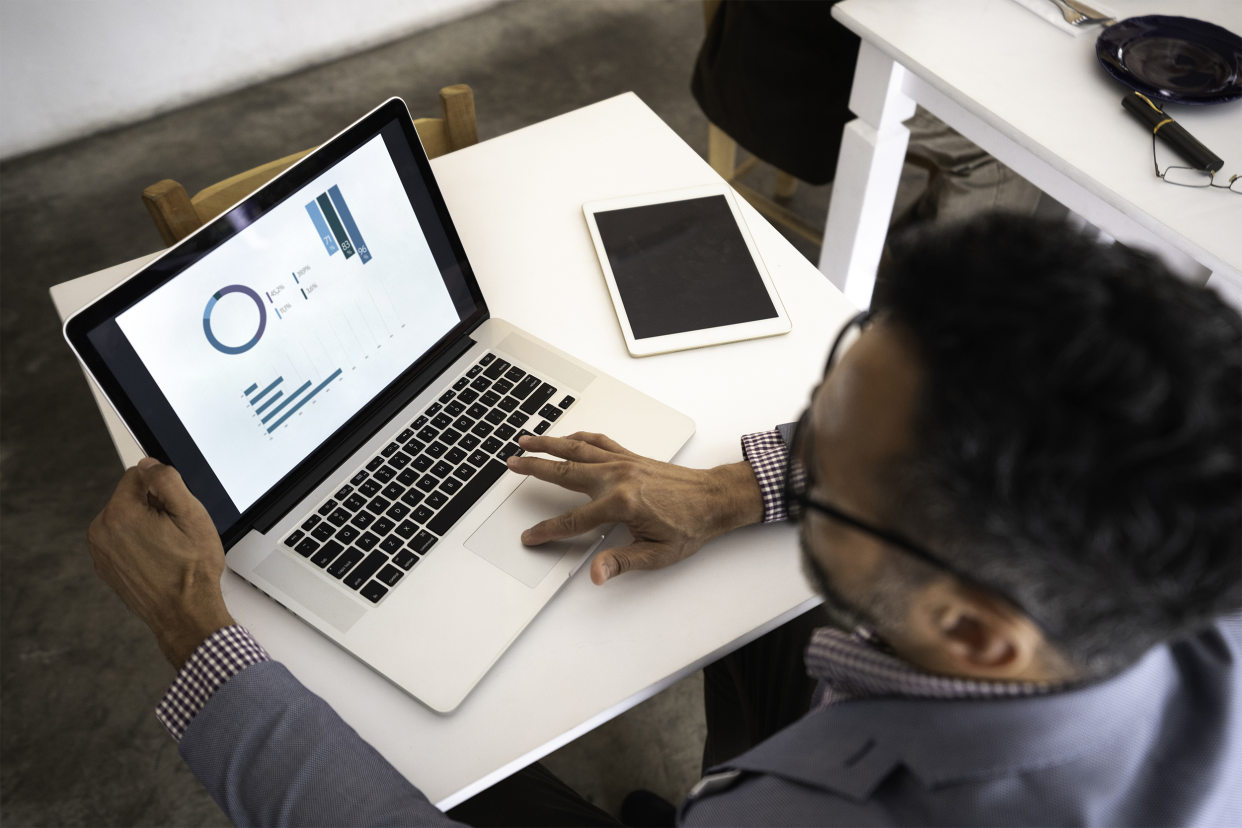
(288, 400)
(321, 226)
(250, 390)
(263, 393)
(274, 398)
(302, 402)
(347, 218)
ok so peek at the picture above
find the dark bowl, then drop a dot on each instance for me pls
(1175, 59)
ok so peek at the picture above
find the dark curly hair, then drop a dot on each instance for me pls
(1079, 431)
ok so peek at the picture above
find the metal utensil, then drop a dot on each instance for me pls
(1072, 16)
(1091, 14)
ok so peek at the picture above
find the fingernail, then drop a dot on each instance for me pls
(523, 437)
(606, 568)
(147, 462)
(526, 536)
(510, 461)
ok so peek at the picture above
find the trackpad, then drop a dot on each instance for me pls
(499, 539)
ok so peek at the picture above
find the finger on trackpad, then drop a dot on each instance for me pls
(499, 539)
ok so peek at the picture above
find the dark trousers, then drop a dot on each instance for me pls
(748, 695)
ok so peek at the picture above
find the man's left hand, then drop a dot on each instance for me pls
(155, 544)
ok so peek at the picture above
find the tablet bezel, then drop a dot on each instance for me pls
(323, 460)
(650, 346)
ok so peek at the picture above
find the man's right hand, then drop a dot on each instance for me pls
(670, 510)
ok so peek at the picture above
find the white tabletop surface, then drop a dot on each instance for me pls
(594, 651)
(1045, 90)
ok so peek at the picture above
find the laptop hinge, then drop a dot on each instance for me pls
(342, 452)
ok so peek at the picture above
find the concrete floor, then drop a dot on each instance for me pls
(79, 675)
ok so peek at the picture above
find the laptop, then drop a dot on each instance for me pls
(320, 365)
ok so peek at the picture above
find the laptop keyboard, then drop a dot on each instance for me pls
(390, 515)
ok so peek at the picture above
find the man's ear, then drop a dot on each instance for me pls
(966, 631)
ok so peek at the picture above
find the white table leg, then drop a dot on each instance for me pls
(868, 171)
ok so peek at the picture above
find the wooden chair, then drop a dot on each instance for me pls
(177, 215)
(722, 155)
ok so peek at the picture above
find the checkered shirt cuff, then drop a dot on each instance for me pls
(225, 654)
(767, 454)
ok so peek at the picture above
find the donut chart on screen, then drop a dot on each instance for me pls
(211, 304)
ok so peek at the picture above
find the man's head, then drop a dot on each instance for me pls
(1058, 419)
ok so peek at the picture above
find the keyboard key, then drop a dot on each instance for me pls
(476, 411)
(454, 408)
(422, 542)
(390, 449)
(406, 529)
(455, 455)
(347, 534)
(565, 403)
(450, 436)
(324, 556)
(339, 518)
(543, 426)
(393, 491)
(461, 383)
(524, 388)
(497, 415)
(414, 447)
(382, 526)
(366, 491)
(517, 418)
(323, 531)
(358, 478)
(362, 573)
(378, 505)
(480, 384)
(469, 494)
(418, 422)
(467, 442)
(407, 477)
(326, 508)
(446, 396)
(465, 471)
(482, 429)
(436, 449)
(311, 522)
(412, 497)
(306, 548)
(384, 473)
(491, 445)
(510, 450)
(399, 460)
(468, 396)
(441, 420)
(538, 398)
(345, 563)
(508, 404)
(496, 369)
(486, 359)
(397, 511)
(478, 458)
(502, 386)
(489, 399)
(422, 462)
(441, 469)
(362, 520)
(391, 543)
(405, 435)
(405, 559)
(450, 485)
(514, 374)
(427, 434)
(463, 423)
(436, 499)
(550, 412)
(390, 575)
(422, 514)
(375, 463)
(293, 539)
(374, 591)
(434, 409)
(345, 492)
(366, 541)
(427, 483)
(474, 372)
(504, 432)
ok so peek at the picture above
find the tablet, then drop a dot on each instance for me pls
(683, 270)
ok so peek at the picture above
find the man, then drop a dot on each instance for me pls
(1020, 494)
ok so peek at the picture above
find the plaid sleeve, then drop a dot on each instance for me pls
(767, 453)
(225, 654)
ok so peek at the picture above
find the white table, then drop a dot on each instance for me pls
(1036, 98)
(595, 651)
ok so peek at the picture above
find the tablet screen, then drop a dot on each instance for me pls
(682, 266)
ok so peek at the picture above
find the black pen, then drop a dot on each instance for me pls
(1172, 133)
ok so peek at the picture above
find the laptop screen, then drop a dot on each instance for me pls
(249, 359)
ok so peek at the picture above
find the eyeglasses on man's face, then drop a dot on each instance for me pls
(800, 479)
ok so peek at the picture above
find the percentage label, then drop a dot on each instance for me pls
(284, 308)
(311, 288)
(276, 290)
